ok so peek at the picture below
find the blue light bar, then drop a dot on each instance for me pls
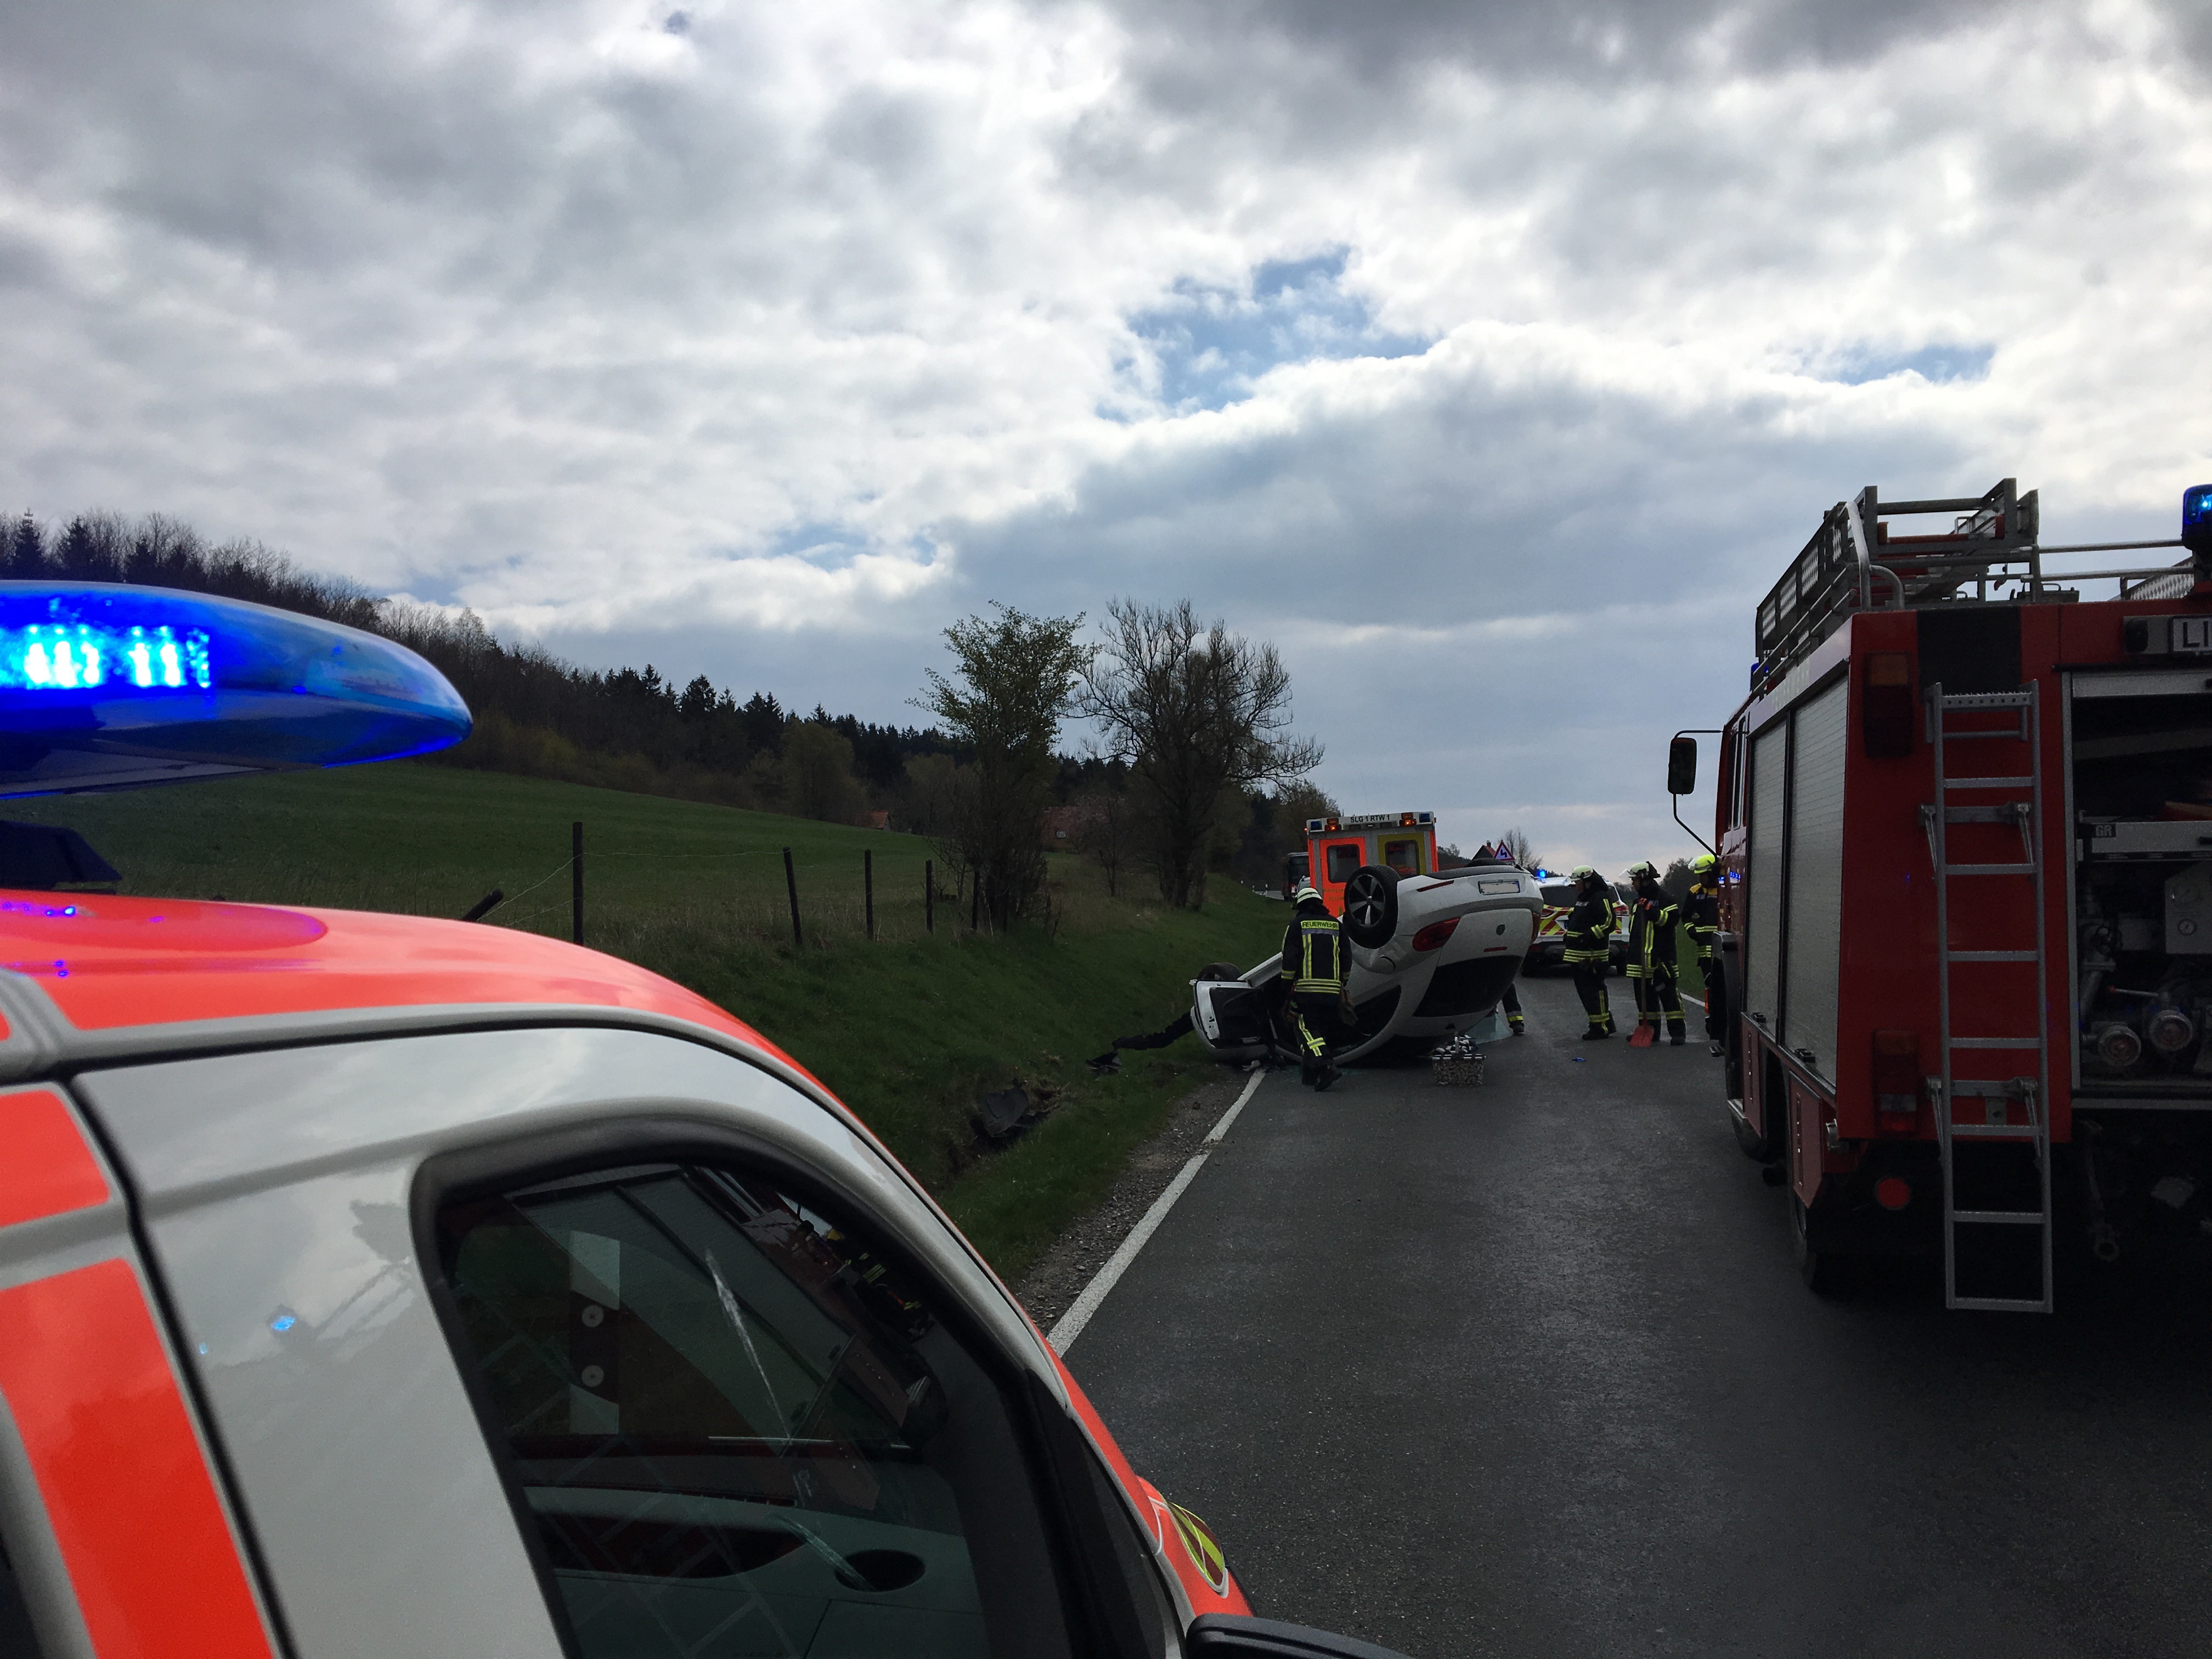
(2197, 518)
(106, 687)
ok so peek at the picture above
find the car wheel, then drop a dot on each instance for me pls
(1221, 971)
(1370, 906)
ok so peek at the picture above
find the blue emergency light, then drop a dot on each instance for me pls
(105, 686)
(2197, 519)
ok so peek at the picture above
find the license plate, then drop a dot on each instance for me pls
(2192, 635)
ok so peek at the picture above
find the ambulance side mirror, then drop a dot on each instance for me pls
(1682, 767)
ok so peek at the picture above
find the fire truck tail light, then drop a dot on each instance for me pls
(1435, 933)
(1896, 1078)
(1893, 1192)
(1885, 705)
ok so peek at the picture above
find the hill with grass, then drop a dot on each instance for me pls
(909, 1028)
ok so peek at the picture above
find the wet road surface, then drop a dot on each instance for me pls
(1528, 1369)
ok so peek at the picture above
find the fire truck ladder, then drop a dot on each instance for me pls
(2023, 809)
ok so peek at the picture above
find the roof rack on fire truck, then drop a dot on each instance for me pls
(1856, 561)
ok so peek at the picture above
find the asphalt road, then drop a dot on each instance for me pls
(1529, 1370)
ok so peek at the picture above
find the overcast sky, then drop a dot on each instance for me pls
(1489, 358)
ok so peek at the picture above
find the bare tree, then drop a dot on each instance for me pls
(1198, 714)
(1517, 847)
(1104, 826)
(1017, 674)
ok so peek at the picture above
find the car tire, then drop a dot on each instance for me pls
(1218, 970)
(1370, 906)
(1824, 1272)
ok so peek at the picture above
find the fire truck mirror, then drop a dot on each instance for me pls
(1682, 766)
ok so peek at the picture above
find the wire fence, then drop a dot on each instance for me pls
(887, 894)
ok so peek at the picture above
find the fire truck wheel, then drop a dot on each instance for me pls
(1370, 906)
(1823, 1271)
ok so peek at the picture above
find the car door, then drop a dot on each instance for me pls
(596, 1341)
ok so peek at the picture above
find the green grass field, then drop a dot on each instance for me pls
(908, 1028)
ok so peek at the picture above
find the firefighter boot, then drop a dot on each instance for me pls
(1515, 1021)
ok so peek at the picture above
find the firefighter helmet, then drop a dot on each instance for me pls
(1307, 892)
(1643, 867)
(1702, 864)
(1581, 872)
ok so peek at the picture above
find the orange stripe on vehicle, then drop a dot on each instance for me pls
(48, 1169)
(149, 1552)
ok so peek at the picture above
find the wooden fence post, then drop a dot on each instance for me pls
(791, 884)
(576, 881)
(928, 895)
(868, 887)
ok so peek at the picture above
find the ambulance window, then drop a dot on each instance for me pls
(1403, 856)
(1345, 858)
(740, 1429)
(17, 1639)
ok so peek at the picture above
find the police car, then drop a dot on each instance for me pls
(378, 1284)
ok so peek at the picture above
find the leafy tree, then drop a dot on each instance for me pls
(1198, 714)
(1015, 677)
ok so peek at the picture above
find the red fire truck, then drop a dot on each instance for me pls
(1964, 822)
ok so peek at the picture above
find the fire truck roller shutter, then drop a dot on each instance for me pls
(1762, 955)
(1813, 917)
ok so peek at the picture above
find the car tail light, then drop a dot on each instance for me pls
(1435, 933)
(1885, 705)
(1897, 1080)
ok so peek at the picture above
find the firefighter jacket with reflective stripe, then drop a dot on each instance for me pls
(1313, 955)
(1652, 931)
(1589, 928)
(1701, 915)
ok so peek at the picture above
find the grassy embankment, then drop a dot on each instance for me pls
(909, 1030)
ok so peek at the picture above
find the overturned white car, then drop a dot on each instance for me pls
(1431, 949)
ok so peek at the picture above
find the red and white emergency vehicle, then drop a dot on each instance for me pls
(1965, 820)
(383, 1285)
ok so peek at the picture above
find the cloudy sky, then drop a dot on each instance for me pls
(1491, 358)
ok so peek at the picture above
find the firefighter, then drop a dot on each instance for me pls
(1651, 954)
(1701, 916)
(1313, 979)
(1589, 930)
(1510, 1001)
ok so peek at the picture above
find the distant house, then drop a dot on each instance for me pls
(1057, 828)
(875, 820)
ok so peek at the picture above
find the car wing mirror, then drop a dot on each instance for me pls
(1231, 1636)
(1682, 767)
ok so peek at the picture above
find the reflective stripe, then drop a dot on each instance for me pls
(126, 1490)
(1311, 930)
(48, 1169)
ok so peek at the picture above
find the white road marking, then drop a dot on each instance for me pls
(1063, 1334)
